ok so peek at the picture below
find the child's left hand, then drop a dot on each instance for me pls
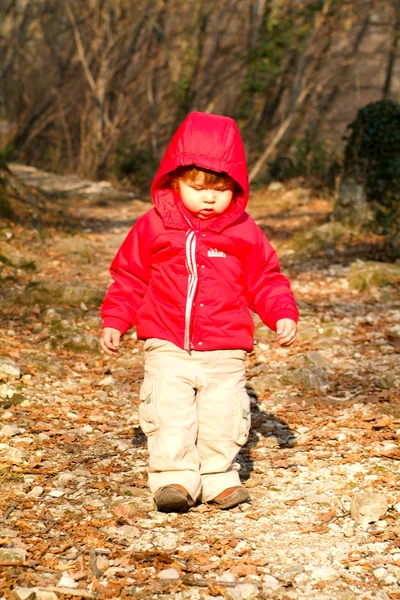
(286, 330)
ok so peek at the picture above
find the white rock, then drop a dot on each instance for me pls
(244, 591)
(169, 542)
(9, 369)
(22, 593)
(380, 573)
(45, 595)
(67, 581)
(275, 186)
(65, 479)
(14, 555)
(26, 440)
(324, 574)
(10, 430)
(228, 577)
(56, 493)
(13, 455)
(168, 574)
(270, 583)
(35, 492)
(108, 380)
(367, 506)
(126, 531)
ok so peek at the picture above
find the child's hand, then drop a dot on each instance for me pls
(109, 340)
(286, 330)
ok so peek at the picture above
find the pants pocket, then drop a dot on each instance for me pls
(243, 418)
(148, 417)
(154, 344)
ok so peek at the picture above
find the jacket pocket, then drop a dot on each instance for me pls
(243, 418)
(148, 416)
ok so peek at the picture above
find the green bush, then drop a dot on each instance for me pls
(372, 157)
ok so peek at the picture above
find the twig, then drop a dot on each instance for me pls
(93, 565)
(212, 582)
(67, 591)
(9, 510)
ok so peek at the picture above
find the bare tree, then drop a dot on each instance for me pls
(393, 50)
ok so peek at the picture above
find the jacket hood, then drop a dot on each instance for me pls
(209, 142)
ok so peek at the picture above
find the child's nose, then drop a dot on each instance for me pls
(209, 195)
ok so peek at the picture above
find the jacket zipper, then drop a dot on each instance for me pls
(192, 283)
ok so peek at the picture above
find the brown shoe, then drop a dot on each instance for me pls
(173, 498)
(231, 497)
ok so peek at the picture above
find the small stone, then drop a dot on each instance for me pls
(397, 507)
(270, 583)
(45, 595)
(275, 186)
(385, 382)
(367, 507)
(292, 571)
(381, 524)
(169, 542)
(168, 574)
(316, 358)
(10, 430)
(228, 577)
(346, 595)
(35, 492)
(106, 381)
(244, 591)
(5, 532)
(324, 574)
(66, 479)
(67, 581)
(56, 493)
(309, 377)
(14, 555)
(125, 532)
(9, 369)
(380, 573)
(13, 455)
(317, 499)
(22, 593)
(25, 440)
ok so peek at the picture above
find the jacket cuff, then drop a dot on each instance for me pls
(116, 323)
(284, 313)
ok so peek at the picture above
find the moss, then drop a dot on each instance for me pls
(320, 238)
(364, 275)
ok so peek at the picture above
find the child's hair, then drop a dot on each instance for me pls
(191, 173)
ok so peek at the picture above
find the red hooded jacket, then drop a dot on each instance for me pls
(194, 282)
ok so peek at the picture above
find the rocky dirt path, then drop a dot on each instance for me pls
(322, 461)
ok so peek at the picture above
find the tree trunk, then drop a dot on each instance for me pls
(392, 51)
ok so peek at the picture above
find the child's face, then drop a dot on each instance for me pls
(205, 201)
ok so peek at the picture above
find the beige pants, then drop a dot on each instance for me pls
(195, 412)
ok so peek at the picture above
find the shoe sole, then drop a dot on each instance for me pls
(237, 497)
(170, 499)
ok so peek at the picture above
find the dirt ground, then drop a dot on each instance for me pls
(321, 464)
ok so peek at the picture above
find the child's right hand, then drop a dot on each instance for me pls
(109, 340)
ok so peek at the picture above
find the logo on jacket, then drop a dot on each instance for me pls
(214, 253)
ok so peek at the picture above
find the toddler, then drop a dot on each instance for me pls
(187, 276)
